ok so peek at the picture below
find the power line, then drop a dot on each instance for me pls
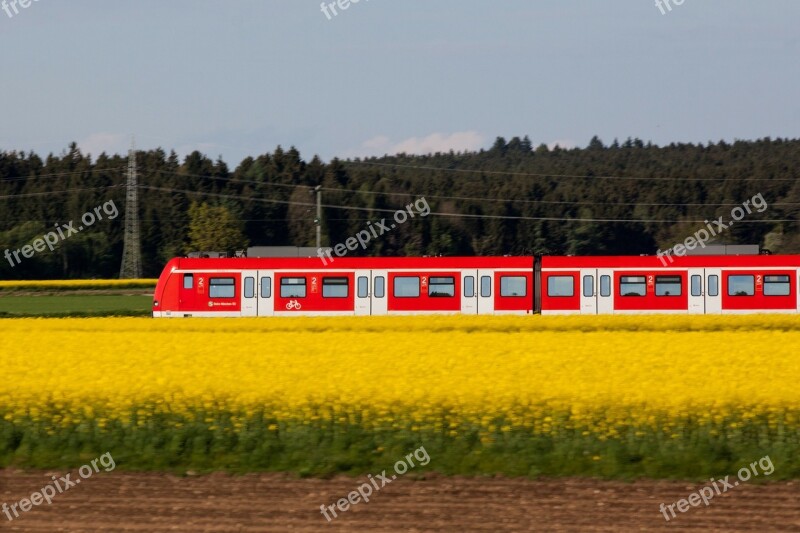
(556, 202)
(452, 215)
(58, 174)
(549, 175)
(48, 193)
(464, 198)
(246, 198)
(443, 197)
(235, 180)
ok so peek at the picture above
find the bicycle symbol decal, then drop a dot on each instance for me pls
(293, 304)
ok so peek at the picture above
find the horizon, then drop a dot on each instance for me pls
(553, 146)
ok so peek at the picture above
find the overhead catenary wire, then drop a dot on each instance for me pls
(227, 179)
(462, 198)
(441, 214)
(371, 209)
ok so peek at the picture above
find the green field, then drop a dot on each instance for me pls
(75, 305)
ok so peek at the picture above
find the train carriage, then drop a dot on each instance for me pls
(651, 284)
(346, 286)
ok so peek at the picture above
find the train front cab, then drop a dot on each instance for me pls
(240, 287)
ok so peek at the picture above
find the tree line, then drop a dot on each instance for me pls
(513, 198)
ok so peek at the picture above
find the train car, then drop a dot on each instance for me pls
(721, 284)
(242, 287)
(238, 287)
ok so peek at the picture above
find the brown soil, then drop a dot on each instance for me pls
(274, 502)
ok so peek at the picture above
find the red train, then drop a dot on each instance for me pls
(236, 287)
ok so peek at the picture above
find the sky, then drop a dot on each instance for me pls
(239, 77)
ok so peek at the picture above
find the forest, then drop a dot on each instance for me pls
(514, 198)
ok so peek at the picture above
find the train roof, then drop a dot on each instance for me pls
(351, 263)
(458, 263)
(672, 261)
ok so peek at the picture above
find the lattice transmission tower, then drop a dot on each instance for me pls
(131, 250)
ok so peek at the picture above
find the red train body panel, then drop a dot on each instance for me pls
(478, 285)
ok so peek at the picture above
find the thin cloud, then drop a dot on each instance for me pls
(110, 143)
(436, 142)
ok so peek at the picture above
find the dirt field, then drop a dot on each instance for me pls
(273, 502)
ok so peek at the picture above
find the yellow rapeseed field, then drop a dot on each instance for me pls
(76, 283)
(603, 373)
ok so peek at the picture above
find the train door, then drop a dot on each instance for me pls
(380, 300)
(697, 291)
(266, 293)
(605, 291)
(588, 291)
(713, 298)
(485, 292)
(363, 299)
(248, 294)
(469, 298)
(191, 286)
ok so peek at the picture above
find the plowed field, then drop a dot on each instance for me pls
(275, 502)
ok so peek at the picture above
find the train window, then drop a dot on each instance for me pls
(776, 286)
(697, 285)
(713, 285)
(588, 286)
(469, 287)
(560, 286)
(513, 286)
(335, 287)
(741, 285)
(605, 286)
(406, 287)
(293, 287)
(669, 286)
(188, 281)
(486, 286)
(380, 287)
(266, 287)
(441, 287)
(249, 287)
(362, 287)
(221, 288)
(632, 286)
